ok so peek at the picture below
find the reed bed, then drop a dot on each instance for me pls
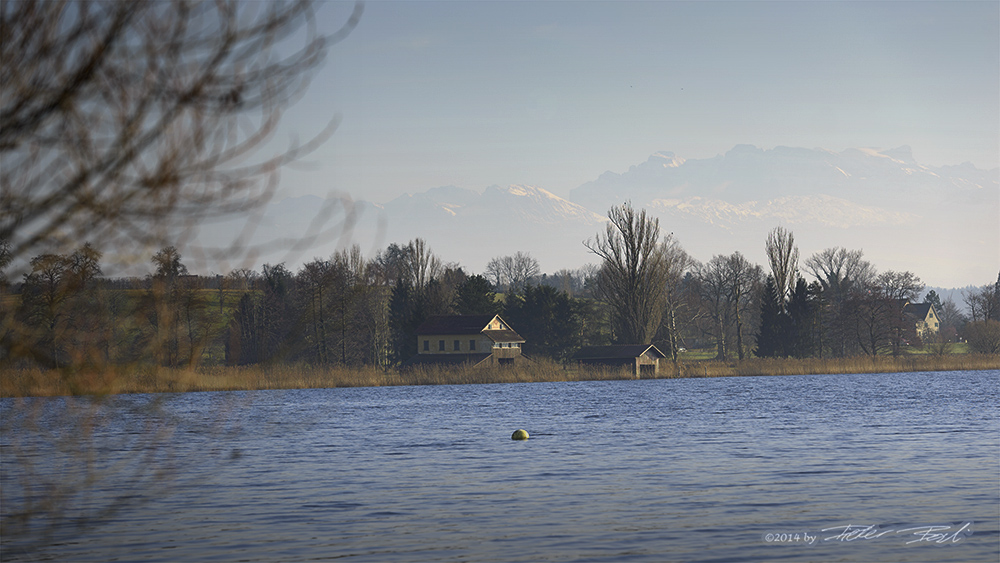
(152, 379)
(817, 366)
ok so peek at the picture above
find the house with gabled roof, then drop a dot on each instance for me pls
(924, 318)
(479, 340)
(640, 358)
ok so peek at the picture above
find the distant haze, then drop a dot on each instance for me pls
(941, 223)
(552, 94)
(491, 127)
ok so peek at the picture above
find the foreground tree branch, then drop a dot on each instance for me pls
(125, 125)
(123, 122)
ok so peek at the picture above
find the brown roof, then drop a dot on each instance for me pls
(466, 324)
(918, 310)
(616, 352)
(503, 336)
(454, 324)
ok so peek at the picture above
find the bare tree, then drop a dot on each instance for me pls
(744, 281)
(511, 274)
(728, 289)
(838, 269)
(716, 302)
(124, 122)
(5, 259)
(900, 286)
(983, 330)
(842, 274)
(348, 285)
(899, 289)
(675, 263)
(313, 280)
(422, 265)
(983, 336)
(243, 278)
(41, 314)
(880, 320)
(983, 302)
(783, 257)
(994, 313)
(951, 316)
(84, 265)
(632, 278)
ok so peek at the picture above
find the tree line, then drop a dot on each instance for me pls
(660, 294)
(344, 309)
(351, 310)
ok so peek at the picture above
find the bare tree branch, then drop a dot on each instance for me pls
(123, 123)
(783, 257)
(632, 278)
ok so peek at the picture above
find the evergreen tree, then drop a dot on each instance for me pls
(476, 297)
(406, 313)
(773, 339)
(995, 299)
(802, 310)
(934, 299)
(547, 320)
(280, 323)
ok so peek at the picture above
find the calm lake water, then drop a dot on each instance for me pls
(804, 468)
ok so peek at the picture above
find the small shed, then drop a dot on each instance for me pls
(642, 358)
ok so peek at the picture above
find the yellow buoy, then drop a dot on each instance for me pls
(519, 435)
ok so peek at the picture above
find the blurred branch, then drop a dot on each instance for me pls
(125, 125)
(122, 123)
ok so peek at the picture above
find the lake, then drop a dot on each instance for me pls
(868, 467)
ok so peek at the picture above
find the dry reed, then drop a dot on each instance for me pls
(816, 366)
(153, 379)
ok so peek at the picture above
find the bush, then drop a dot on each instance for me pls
(983, 336)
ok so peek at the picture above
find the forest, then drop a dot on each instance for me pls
(128, 125)
(349, 310)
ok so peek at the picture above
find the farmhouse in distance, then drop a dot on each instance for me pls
(924, 317)
(478, 340)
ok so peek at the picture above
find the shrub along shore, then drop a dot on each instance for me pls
(153, 379)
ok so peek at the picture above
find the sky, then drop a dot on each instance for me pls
(552, 94)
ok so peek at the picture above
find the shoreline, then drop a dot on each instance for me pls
(116, 380)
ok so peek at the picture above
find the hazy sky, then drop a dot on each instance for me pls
(552, 94)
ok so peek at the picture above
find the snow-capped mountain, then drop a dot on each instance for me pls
(823, 210)
(747, 173)
(939, 222)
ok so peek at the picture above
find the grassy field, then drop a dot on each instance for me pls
(152, 379)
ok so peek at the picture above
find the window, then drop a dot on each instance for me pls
(427, 345)
(472, 345)
(440, 345)
(458, 345)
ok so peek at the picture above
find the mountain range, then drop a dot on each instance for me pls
(942, 223)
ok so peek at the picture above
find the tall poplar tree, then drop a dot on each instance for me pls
(632, 278)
